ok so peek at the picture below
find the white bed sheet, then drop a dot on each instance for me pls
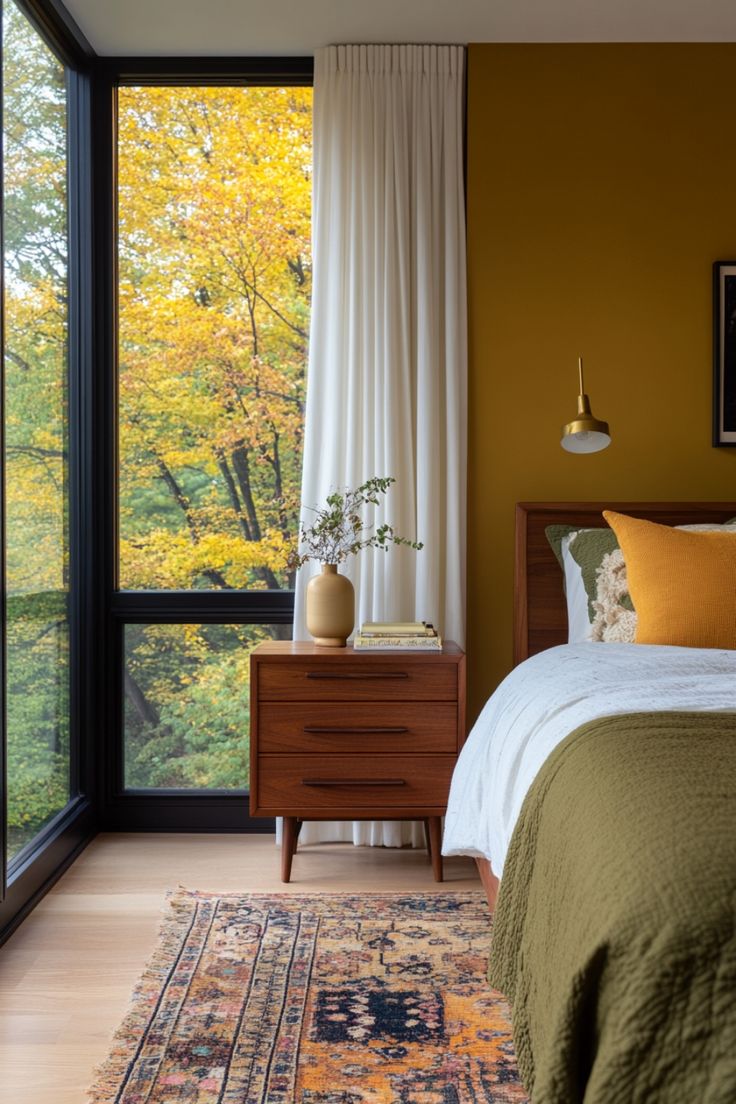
(546, 698)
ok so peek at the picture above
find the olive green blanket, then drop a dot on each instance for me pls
(615, 929)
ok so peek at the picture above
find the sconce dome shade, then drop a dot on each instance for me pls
(585, 433)
(585, 440)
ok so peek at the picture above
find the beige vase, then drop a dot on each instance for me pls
(330, 607)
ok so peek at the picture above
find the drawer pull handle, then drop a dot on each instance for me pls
(355, 730)
(353, 782)
(339, 675)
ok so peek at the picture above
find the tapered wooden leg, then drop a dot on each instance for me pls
(435, 842)
(427, 840)
(296, 834)
(288, 846)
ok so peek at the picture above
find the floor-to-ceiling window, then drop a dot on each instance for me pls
(214, 281)
(156, 280)
(36, 439)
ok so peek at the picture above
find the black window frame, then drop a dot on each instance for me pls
(125, 809)
(38, 865)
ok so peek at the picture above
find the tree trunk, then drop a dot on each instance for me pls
(181, 499)
(147, 712)
(210, 573)
(232, 491)
(241, 464)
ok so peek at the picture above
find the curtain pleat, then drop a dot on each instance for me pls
(387, 376)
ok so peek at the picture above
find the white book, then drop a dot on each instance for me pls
(398, 643)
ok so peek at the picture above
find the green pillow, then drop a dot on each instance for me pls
(555, 535)
(588, 550)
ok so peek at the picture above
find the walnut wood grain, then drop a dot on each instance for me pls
(396, 678)
(540, 614)
(288, 846)
(435, 846)
(286, 651)
(384, 728)
(346, 783)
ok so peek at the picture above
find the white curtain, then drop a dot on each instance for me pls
(387, 378)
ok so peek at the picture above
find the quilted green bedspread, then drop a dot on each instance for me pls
(615, 930)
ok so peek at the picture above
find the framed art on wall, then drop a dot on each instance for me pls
(724, 353)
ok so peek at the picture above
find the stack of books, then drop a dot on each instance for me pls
(408, 636)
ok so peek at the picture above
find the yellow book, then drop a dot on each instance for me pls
(396, 628)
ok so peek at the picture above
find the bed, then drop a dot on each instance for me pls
(584, 786)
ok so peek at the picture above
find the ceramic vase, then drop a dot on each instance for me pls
(330, 607)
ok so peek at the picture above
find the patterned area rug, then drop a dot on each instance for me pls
(325, 999)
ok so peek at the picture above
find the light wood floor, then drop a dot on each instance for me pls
(67, 974)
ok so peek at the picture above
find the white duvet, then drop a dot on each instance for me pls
(546, 698)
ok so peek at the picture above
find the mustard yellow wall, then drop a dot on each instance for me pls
(601, 188)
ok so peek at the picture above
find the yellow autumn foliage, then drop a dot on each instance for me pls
(215, 279)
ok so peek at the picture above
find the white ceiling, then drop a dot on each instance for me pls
(283, 27)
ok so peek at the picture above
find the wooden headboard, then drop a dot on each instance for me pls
(540, 614)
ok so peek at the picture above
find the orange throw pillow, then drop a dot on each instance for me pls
(682, 584)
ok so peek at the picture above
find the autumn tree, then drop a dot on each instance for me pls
(214, 293)
(215, 279)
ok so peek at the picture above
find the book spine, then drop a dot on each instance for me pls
(396, 643)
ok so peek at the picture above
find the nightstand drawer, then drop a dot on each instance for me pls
(350, 783)
(382, 728)
(362, 679)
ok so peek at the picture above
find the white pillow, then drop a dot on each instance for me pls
(579, 627)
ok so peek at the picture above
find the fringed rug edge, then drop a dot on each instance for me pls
(177, 912)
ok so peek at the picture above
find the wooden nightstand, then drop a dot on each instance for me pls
(343, 735)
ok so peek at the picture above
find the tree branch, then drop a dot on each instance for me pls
(184, 504)
(232, 491)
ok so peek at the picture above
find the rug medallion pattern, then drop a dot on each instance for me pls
(326, 999)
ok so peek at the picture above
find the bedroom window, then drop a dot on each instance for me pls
(214, 282)
(36, 440)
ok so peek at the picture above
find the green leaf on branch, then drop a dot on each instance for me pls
(339, 529)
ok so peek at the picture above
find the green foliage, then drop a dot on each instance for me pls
(37, 713)
(339, 530)
(35, 272)
(192, 730)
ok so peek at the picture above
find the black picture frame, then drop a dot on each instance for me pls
(724, 354)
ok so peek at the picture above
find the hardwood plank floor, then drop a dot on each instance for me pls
(67, 974)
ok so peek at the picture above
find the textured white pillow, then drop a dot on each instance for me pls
(613, 623)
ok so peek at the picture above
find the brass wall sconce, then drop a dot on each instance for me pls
(585, 433)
